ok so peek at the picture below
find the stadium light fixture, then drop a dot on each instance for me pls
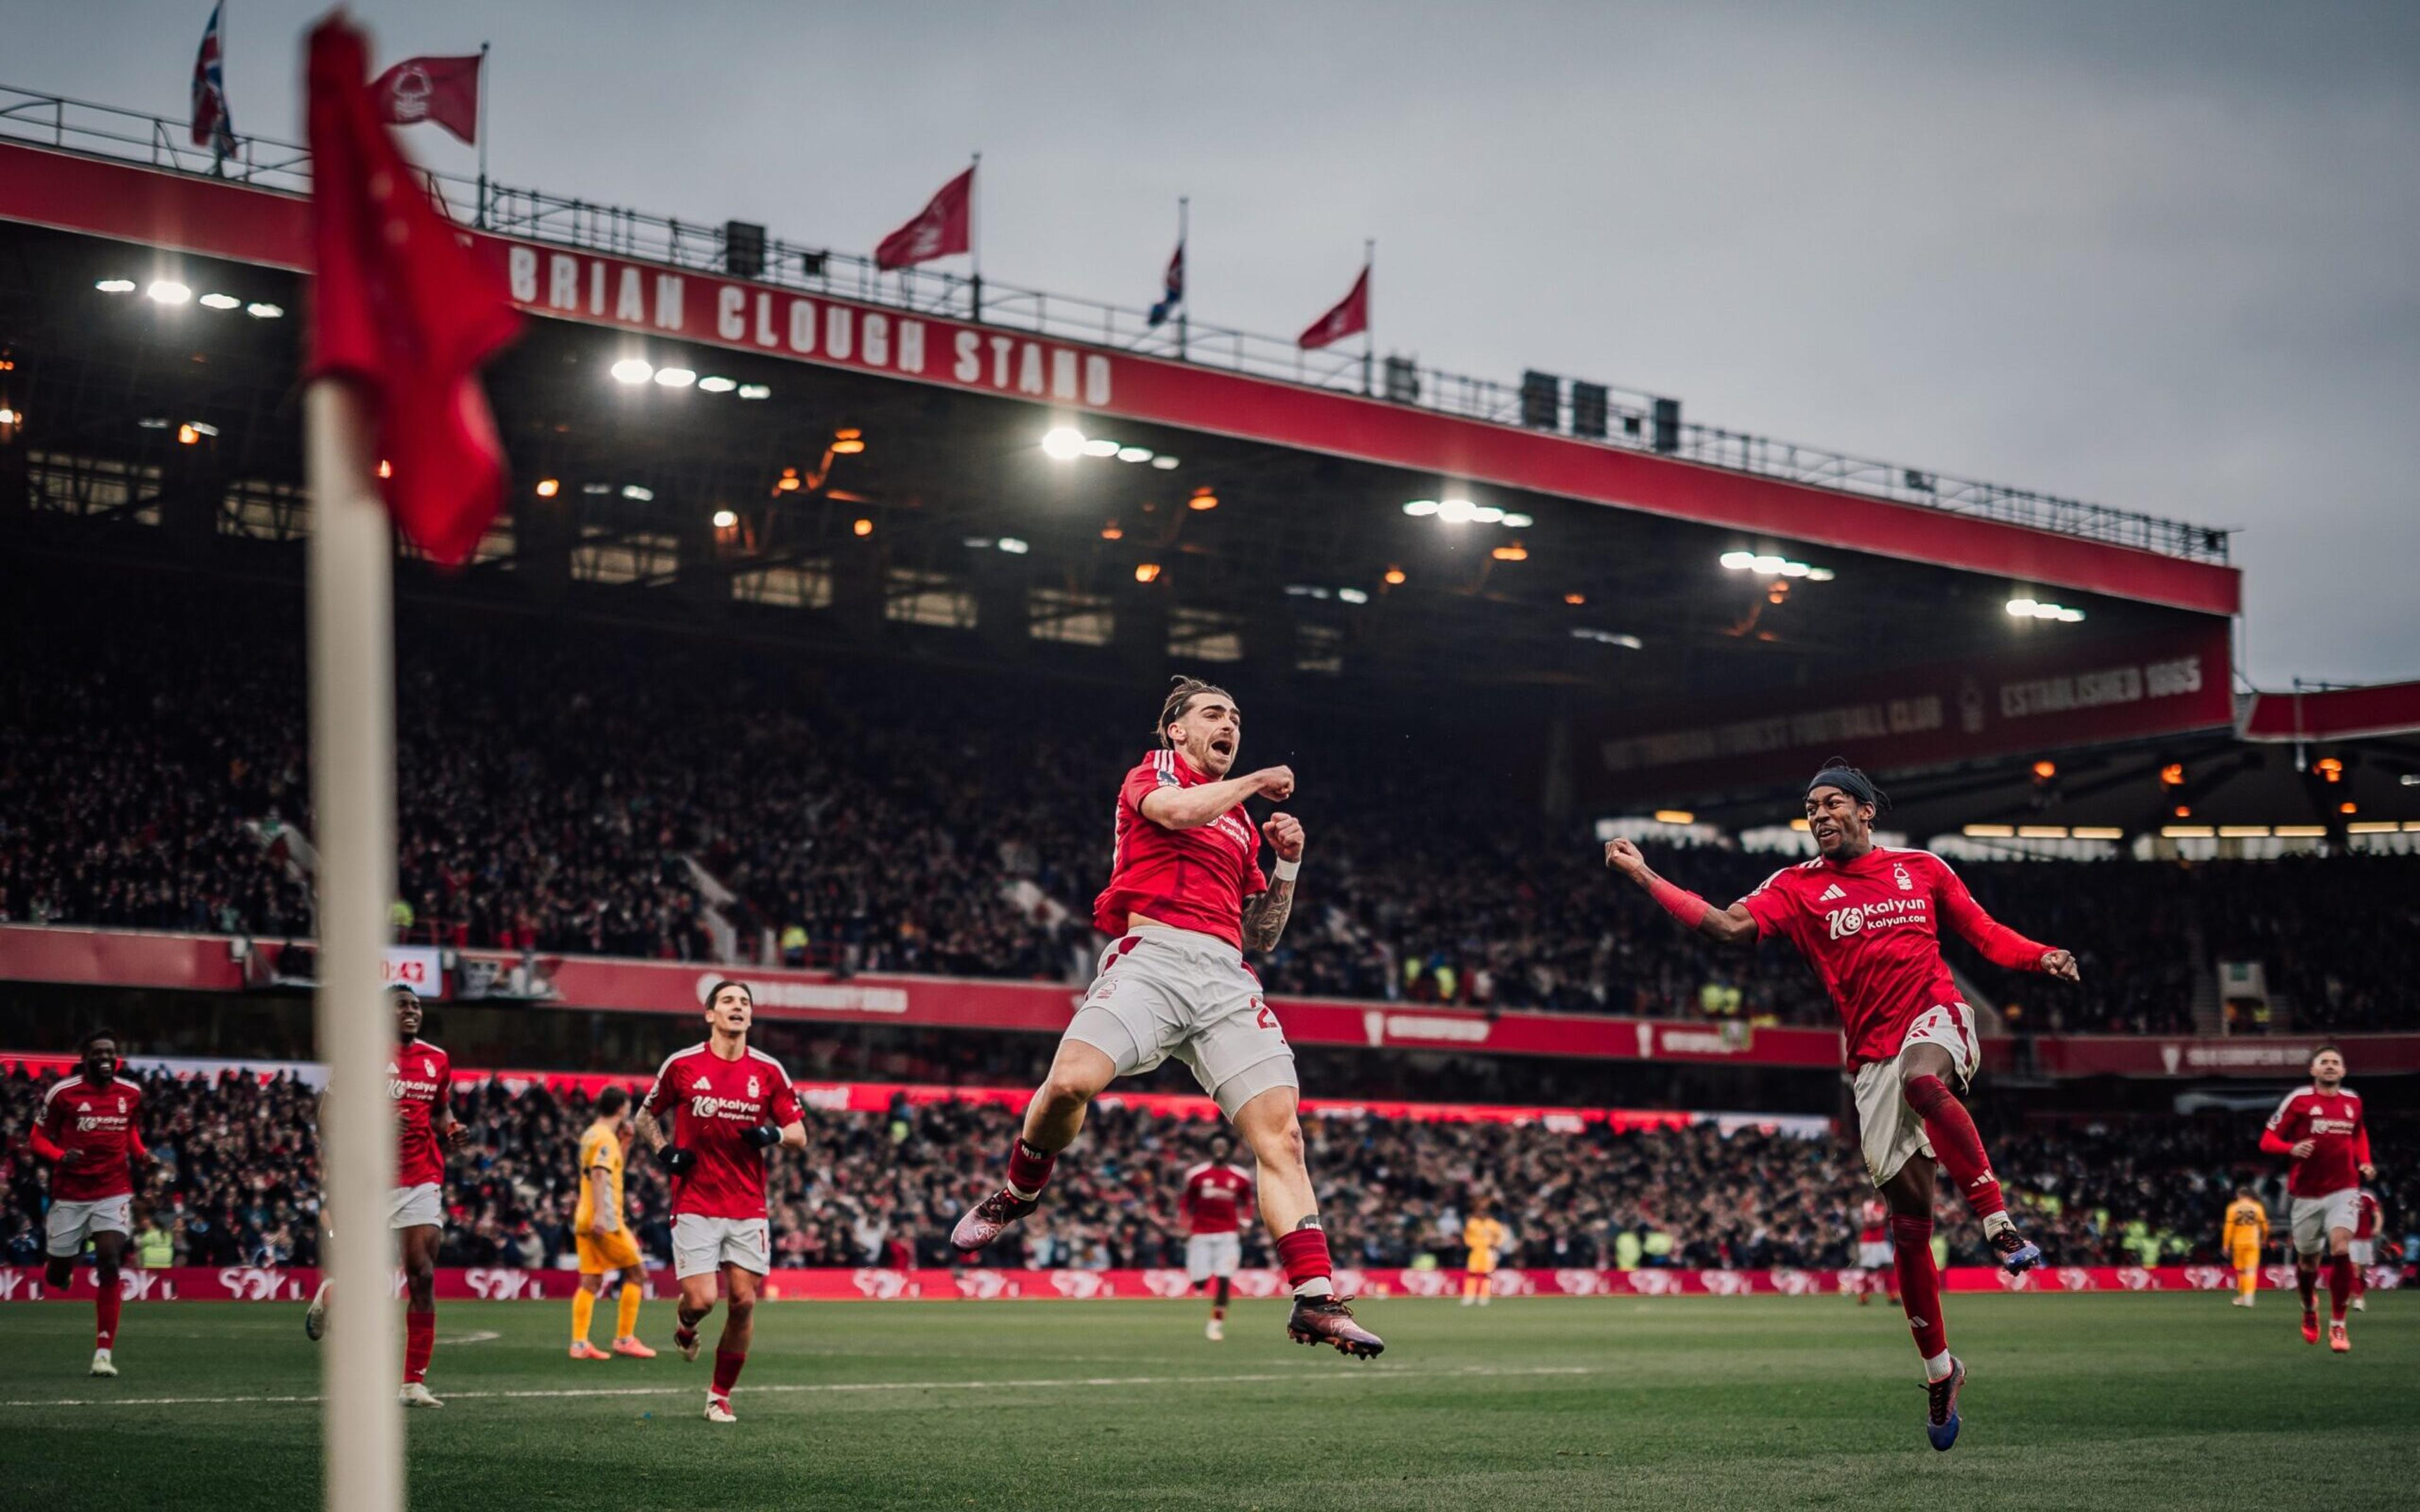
(1203, 499)
(1820, 575)
(2409, 780)
(676, 377)
(1795, 570)
(2183, 810)
(259, 310)
(1100, 446)
(116, 285)
(1164, 462)
(1456, 511)
(549, 488)
(2021, 608)
(1354, 596)
(2041, 832)
(726, 518)
(2348, 808)
(1420, 508)
(1013, 546)
(9, 416)
(2243, 831)
(1675, 817)
(595, 489)
(638, 493)
(633, 370)
(2045, 770)
(848, 441)
(1575, 600)
(221, 301)
(167, 291)
(976, 543)
(1769, 565)
(1485, 515)
(2096, 832)
(1112, 532)
(1394, 577)
(187, 435)
(2373, 827)
(2329, 768)
(153, 422)
(755, 391)
(1515, 552)
(716, 383)
(1610, 638)
(789, 482)
(1990, 831)
(1062, 442)
(1146, 572)
(1517, 522)
(1738, 561)
(1134, 454)
(2187, 832)
(2300, 831)
(862, 527)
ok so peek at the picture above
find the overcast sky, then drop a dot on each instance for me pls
(2160, 256)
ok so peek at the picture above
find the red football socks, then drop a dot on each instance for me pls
(1952, 1134)
(1219, 1301)
(419, 1343)
(727, 1371)
(2339, 1286)
(1028, 1169)
(1919, 1284)
(105, 1307)
(2309, 1281)
(1304, 1255)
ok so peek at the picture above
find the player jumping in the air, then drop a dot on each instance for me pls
(1869, 917)
(2320, 1127)
(420, 1080)
(730, 1106)
(1186, 898)
(2363, 1248)
(603, 1238)
(1216, 1203)
(2244, 1235)
(1874, 1252)
(86, 1130)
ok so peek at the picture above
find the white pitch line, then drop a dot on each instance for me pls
(481, 1336)
(1039, 1382)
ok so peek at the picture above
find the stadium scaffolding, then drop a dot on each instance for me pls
(1631, 418)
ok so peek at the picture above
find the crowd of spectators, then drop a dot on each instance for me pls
(588, 789)
(238, 1182)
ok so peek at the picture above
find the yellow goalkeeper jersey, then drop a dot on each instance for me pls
(2247, 1225)
(601, 1148)
(1482, 1237)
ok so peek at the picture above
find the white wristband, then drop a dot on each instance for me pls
(1286, 870)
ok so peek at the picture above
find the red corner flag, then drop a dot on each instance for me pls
(1350, 318)
(441, 89)
(944, 227)
(400, 308)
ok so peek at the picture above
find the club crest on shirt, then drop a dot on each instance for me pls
(1899, 875)
(753, 1089)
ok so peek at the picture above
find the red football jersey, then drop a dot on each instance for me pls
(2372, 1217)
(1194, 879)
(1873, 1222)
(419, 1079)
(1871, 928)
(100, 1123)
(1216, 1198)
(2341, 1143)
(711, 1102)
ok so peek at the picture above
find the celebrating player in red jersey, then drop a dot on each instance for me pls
(1217, 1198)
(88, 1131)
(420, 1081)
(729, 1105)
(1874, 1251)
(2320, 1126)
(1869, 918)
(1186, 895)
(2371, 1218)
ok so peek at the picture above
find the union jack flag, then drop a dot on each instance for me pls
(213, 124)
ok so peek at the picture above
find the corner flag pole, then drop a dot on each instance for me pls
(1369, 309)
(481, 127)
(352, 774)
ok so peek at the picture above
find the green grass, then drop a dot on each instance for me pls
(2120, 1401)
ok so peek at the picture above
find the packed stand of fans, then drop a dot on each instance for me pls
(557, 781)
(237, 1184)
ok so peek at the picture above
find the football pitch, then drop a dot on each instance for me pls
(2119, 1401)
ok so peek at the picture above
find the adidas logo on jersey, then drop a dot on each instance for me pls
(1831, 893)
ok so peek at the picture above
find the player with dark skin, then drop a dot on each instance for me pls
(1843, 829)
(99, 1066)
(421, 1241)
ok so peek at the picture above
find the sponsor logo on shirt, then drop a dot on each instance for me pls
(707, 1105)
(1843, 922)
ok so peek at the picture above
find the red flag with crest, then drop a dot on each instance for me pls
(943, 227)
(1350, 318)
(442, 90)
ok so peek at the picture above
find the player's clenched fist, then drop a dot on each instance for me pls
(1275, 782)
(1623, 858)
(2061, 964)
(1284, 832)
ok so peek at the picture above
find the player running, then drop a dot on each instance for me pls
(2320, 1127)
(729, 1105)
(1874, 1252)
(2243, 1236)
(1483, 1236)
(2363, 1248)
(603, 1239)
(420, 1080)
(1186, 896)
(88, 1131)
(1869, 917)
(1216, 1201)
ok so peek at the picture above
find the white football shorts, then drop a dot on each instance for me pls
(1172, 991)
(72, 1223)
(703, 1246)
(1889, 1132)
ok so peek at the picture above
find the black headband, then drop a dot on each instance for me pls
(1849, 780)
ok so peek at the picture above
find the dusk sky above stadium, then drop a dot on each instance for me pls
(2158, 256)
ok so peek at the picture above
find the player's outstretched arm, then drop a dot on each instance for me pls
(1735, 925)
(1175, 808)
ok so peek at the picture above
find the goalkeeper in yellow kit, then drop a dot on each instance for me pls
(2245, 1235)
(1483, 1236)
(604, 1239)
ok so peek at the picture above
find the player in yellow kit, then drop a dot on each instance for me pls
(2245, 1235)
(604, 1239)
(1483, 1235)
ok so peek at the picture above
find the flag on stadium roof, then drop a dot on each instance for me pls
(1350, 318)
(213, 123)
(401, 308)
(945, 225)
(442, 90)
(1172, 289)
